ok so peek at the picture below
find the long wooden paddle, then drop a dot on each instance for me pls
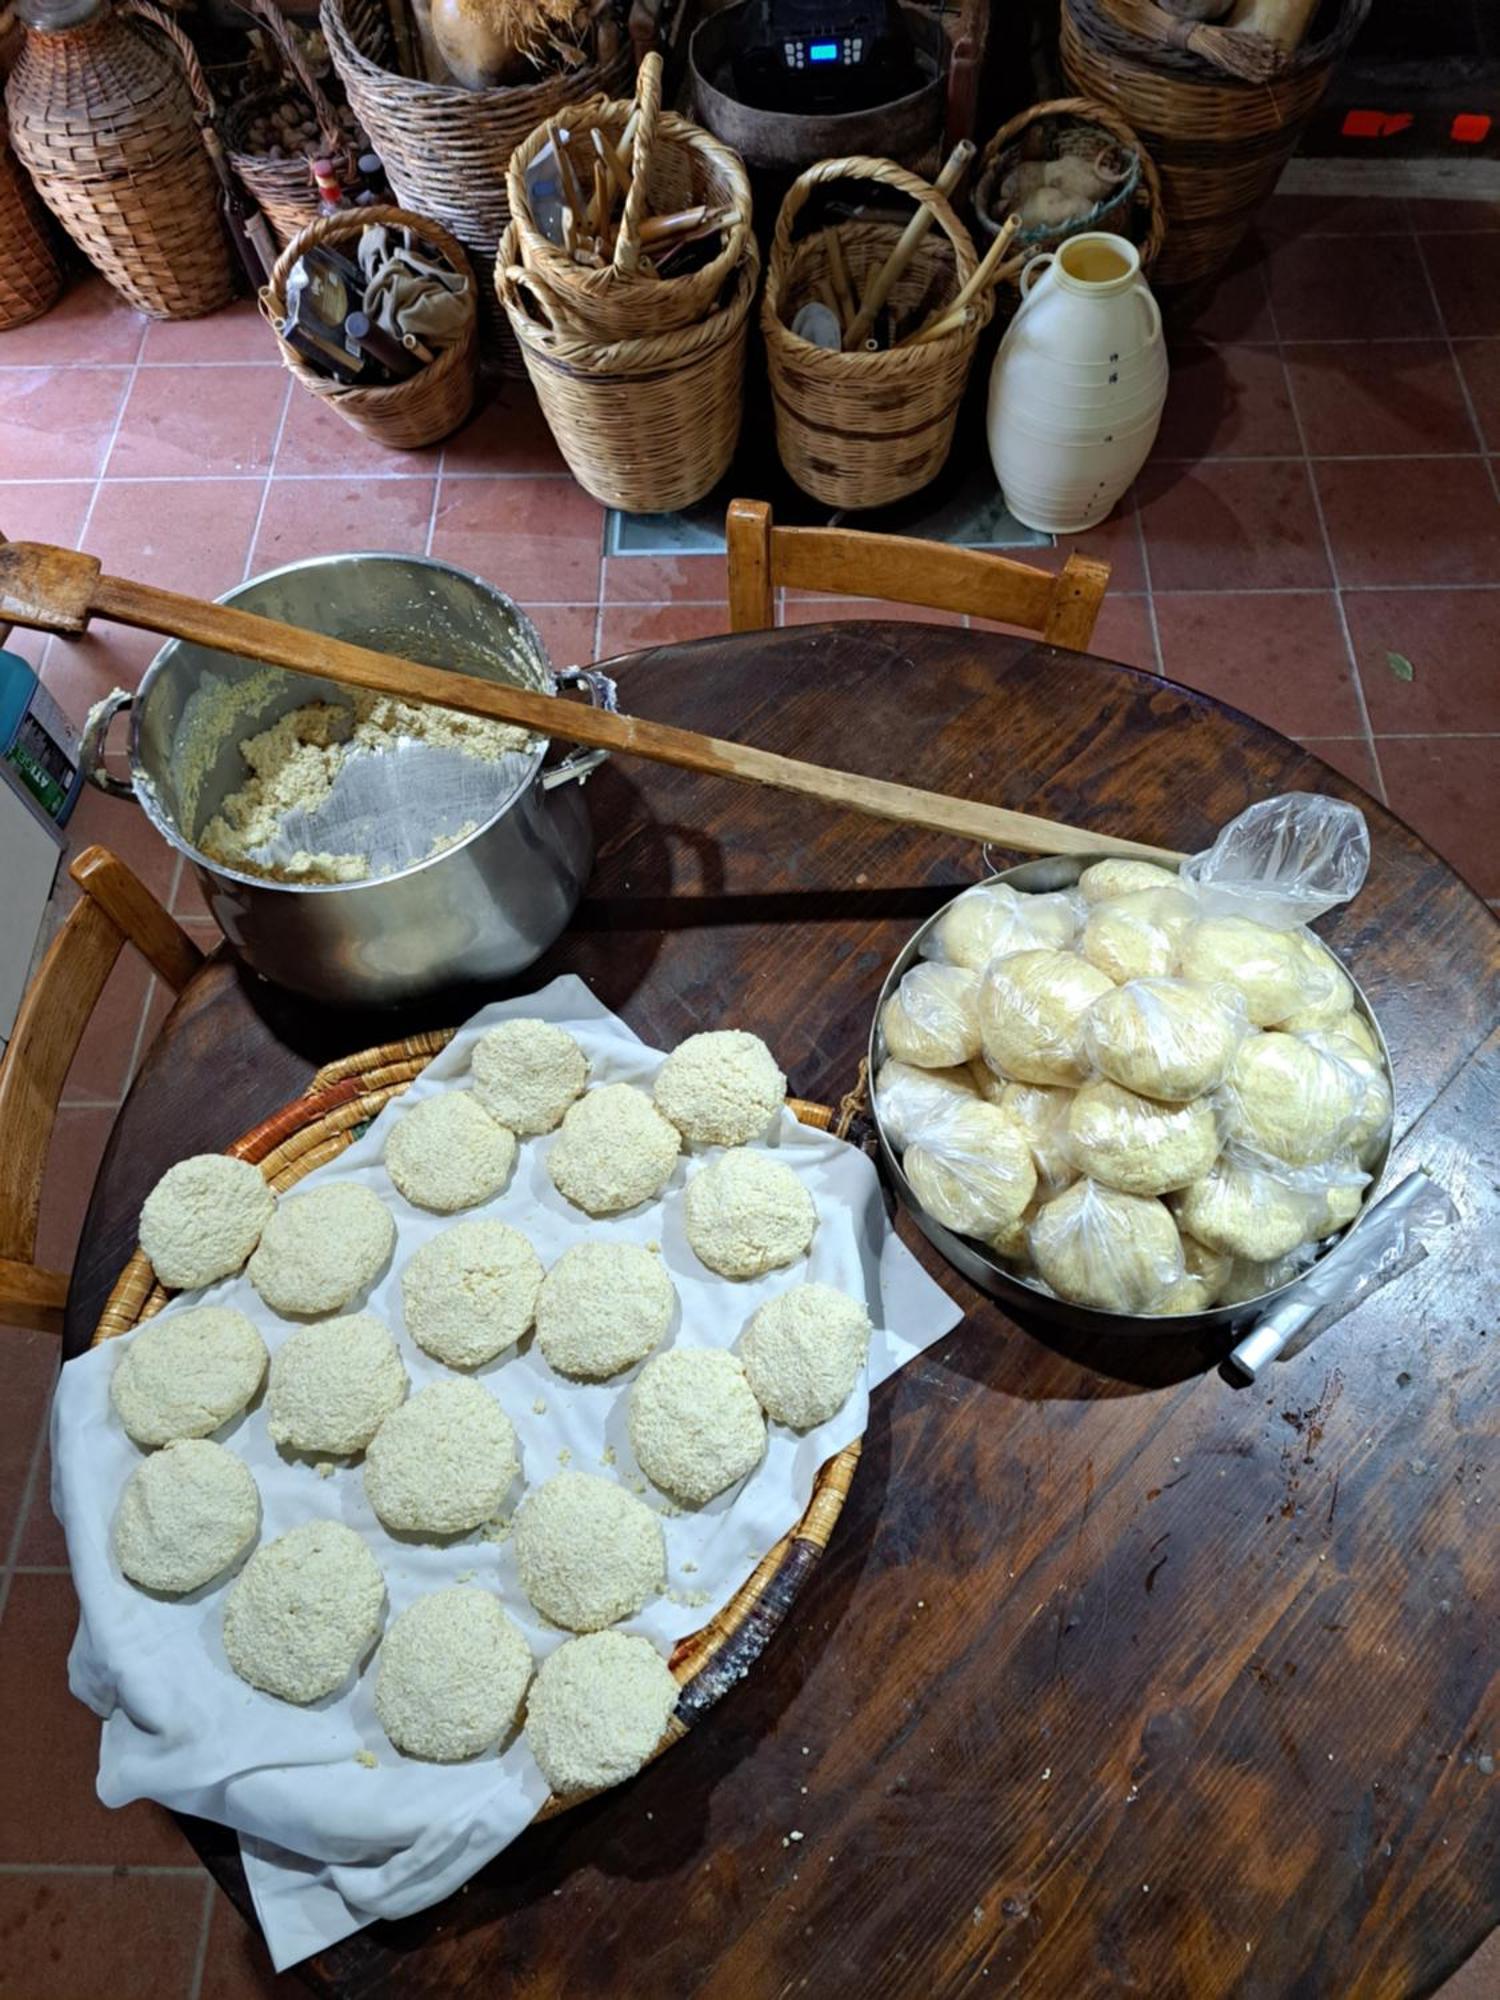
(59, 590)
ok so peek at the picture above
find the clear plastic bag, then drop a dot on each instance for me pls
(992, 920)
(1243, 1210)
(906, 1097)
(1368, 1085)
(1295, 1104)
(1041, 1111)
(970, 1167)
(932, 1018)
(1248, 1280)
(1098, 1247)
(1137, 1145)
(1284, 861)
(1166, 1038)
(1031, 1010)
(1138, 936)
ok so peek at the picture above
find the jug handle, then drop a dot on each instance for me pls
(1032, 269)
(602, 693)
(92, 746)
(1153, 313)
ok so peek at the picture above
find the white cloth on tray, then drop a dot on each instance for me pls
(330, 1845)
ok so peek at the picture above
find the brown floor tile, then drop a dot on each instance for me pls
(1227, 401)
(199, 421)
(55, 423)
(238, 1966)
(1479, 364)
(48, 1768)
(187, 899)
(64, 1937)
(665, 579)
(237, 333)
(1240, 308)
(1219, 526)
(1116, 541)
(631, 628)
(538, 539)
(101, 1068)
(121, 826)
(1381, 396)
(1445, 787)
(1453, 218)
(44, 514)
(1350, 288)
(42, 1539)
(317, 517)
(78, 1140)
(507, 433)
(1466, 278)
(315, 438)
(1451, 638)
(803, 610)
(567, 631)
(1281, 659)
(1418, 520)
(1290, 215)
(90, 322)
(1478, 1978)
(31, 1364)
(1350, 756)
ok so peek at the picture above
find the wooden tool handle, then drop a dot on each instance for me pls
(985, 274)
(880, 285)
(56, 590)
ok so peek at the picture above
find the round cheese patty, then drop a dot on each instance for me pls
(334, 1384)
(470, 1292)
(615, 1150)
(695, 1426)
(203, 1218)
(720, 1089)
(446, 1153)
(453, 1672)
(803, 1352)
(321, 1249)
(597, 1709)
(183, 1375)
(303, 1611)
(589, 1552)
(602, 1307)
(527, 1073)
(188, 1513)
(443, 1461)
(747, 1214)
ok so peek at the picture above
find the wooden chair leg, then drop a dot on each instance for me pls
(747, 537)
(1076, 603)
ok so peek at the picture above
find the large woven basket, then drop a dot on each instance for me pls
(677, 165)
(861, 430)
(107, 124)
(1219, 143)
(647, 425)
(338, 1105)
(404, 415)
(1078, 125)
(444, 149)
(31, 277)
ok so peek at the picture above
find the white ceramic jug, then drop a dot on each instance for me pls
(1077, 389)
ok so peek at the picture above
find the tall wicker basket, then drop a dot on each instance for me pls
(445, 150)
(1219, 143)
(861, 430)
(31, 277)
(106, 122)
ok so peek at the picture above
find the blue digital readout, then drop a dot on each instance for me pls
(823, 52)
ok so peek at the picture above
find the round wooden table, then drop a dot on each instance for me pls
(1113, 1678)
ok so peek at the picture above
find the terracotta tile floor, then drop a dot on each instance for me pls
(1322, 497)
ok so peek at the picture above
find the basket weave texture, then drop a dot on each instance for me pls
(339, 1102)
(860, 430)
(107, 124)
(1078, 125)
(403, 416)
(649, 424)
(677, 166)
(1219, 143)
(31, 278)
(445, 150)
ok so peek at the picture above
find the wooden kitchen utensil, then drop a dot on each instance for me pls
(60, 590)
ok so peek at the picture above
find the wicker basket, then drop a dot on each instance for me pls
(403, 416)
(861, 430)
(648, 424)
(1219, 143)
(31, 278)
(444, 149)
(285, 189)
(1079, 125)
(104, 121)
(677, 165)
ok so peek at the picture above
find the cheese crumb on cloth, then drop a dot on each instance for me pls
(329, 1846)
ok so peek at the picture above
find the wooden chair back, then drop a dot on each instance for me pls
(902, 569)
(115, 909)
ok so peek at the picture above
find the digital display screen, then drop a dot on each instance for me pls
(823, 52)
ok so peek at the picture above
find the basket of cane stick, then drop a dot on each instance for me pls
(870, 327)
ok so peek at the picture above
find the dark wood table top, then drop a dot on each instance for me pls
(1113, 1679)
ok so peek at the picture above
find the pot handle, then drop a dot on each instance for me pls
(1033, 268)
(92, 743)
(602, 693)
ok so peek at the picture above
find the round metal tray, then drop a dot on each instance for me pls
(979, 1264)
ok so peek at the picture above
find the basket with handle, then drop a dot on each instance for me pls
(406, 415)
(676, 166)
(285, 189)
(1219, 141)
(31, 277)
(107, 123)
(1081, 126)
(861, 429)
(445, 149)
(647, 424)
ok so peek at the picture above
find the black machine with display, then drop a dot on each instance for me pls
(822, 56)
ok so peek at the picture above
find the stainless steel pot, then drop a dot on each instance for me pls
(979, 1264)
(484, 907)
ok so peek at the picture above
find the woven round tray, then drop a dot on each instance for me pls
(334, 1110)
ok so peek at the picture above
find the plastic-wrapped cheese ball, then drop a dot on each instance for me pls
(1288, 1100)
(1099, 1247)
(1367, 1085)
(971, 1168)
(1013, 1240)
(1331, 994)
(1137, 1145)
(906, 1097)
(1352, 1027)
(1165, 1037)
(1031, 1010)
(1203, 1277)
(993, 920)
(1041, 1111)
(1270, 968)
(1107, 879)
(1341, 1200)
(1244, 1211)
(932, 1018)
(1137, 936)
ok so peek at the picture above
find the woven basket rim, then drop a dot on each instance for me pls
(319, 1125)
(331, 19)
(1105, 28)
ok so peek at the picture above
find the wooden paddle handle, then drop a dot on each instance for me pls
(56, 590)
